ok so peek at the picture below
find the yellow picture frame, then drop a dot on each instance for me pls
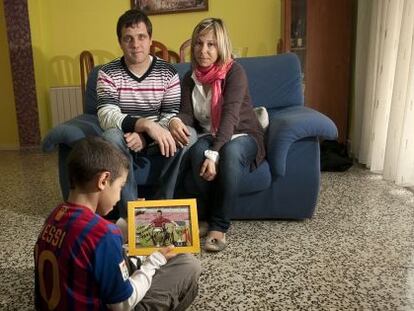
(153, 224)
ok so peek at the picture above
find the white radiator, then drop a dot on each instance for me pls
(65, 103)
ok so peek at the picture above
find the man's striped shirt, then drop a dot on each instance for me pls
(123, 97)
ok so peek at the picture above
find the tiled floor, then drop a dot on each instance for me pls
(357, 253)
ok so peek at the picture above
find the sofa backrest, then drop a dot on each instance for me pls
(274, 81)
(90, 92)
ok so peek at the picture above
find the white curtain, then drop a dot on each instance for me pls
(382, 125)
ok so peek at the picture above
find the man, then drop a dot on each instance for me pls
(159, 221)
(138, 94)
(159, 225)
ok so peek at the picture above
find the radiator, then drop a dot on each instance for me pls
(65, 103)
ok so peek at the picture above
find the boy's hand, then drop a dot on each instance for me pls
(168, 252)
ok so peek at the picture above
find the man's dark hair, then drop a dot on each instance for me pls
(132, 17)
(93, 155)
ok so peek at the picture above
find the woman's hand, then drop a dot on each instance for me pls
(179, 132)
(135, 141)
(208, 170)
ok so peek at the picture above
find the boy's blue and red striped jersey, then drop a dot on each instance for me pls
(79, 263)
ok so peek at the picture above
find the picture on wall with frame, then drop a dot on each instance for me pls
(154, 224)
(152, 7)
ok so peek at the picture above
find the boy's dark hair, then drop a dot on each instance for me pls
(132, 17)
(93, 155)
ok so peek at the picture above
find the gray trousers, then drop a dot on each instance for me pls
(174, 286)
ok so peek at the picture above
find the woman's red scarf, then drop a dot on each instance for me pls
(213, 76)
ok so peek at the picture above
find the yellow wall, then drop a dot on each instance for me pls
(62, 29)
(9, 138)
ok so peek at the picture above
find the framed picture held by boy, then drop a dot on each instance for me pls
(160, 223)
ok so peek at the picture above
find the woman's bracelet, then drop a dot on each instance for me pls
(212, 155)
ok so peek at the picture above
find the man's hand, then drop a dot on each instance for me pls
(135, 141)
(179, 132)
(168, 252)
(208, 170)
(162, 136)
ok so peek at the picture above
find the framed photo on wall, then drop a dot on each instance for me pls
(155, 224)
(152, 7)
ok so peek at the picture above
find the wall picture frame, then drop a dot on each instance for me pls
(153, 7)
(153, 224)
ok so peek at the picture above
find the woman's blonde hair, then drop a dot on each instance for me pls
(224, 47)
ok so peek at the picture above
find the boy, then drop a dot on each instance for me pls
(79, 261)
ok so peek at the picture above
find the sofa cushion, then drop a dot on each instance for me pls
(257, 180)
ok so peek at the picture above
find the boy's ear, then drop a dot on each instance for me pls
(103, 180)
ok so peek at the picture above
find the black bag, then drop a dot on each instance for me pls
(334, 156)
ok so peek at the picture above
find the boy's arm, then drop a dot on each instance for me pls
(141, 281)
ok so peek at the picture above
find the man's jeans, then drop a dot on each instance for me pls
(171, 168)
(218, 197)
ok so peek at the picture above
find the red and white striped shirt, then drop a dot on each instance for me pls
(123, 97)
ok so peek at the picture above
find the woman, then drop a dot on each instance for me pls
(215, 100)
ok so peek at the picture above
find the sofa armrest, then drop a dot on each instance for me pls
(71, 131)
(289, 125)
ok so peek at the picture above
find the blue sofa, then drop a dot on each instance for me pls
(285, 185)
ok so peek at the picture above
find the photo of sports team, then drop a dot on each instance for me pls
(159, 227)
